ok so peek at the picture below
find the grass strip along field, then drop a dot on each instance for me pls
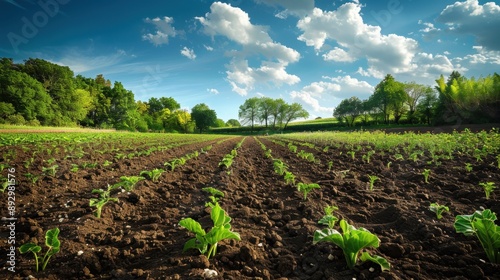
(256, 204)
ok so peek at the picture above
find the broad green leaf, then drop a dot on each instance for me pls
(218, 215)
(29, 247)
(360, 239)
(463, 224)
(489, 236)
(52, 241)
(94, 202)
(329, 235)
(192, 225)
(195, 243)
(384, 264)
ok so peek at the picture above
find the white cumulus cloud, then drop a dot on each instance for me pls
(469, 17)
(345, 26)
(213, 90)
(189, 53)
(323, 96)
(234, 24)
(164, 30)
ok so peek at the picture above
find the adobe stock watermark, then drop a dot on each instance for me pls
(384, 16)
(152, 79)
(31, 26)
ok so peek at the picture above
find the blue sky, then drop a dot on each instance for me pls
(315, 53)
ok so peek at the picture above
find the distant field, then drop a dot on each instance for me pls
(6, 128)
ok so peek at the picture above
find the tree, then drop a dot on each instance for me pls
(220, 123)
(388, 97)
(233, 123)
(249, 111)
(291, 112)
(265, 108)
(59, 84)
(276, 111)
(123, 107)
(184, 120)
(6, 109)
(349, 109)
(414, 92)
(26, 95)
(426, 108)
(203, 116)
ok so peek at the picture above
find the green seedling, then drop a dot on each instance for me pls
(27, 163)
(498, 161)
(307, 188)
(267, 153)
(153, 175)
(289, 178)
(468, 167)
(329, 219)
(389, 164)
(4, 183)
(325, 149)
(51, 171)
(128, 182)
(74, 167)
(103, 199)
(51, 161)
(488, 187)
(221, 230)
(482, 225)
(227, 161)
(234, 153)
(330, 166)
(53, 246)
(352, 241)
(106, 163)
(352, 154)
(366, 157)
(426, 173)
(175, 162)
(292, 148)
(372, 179)
(438, 209)
(31, 177)
(279, 167)
(214, 197)
(120, 156)
(398, 157)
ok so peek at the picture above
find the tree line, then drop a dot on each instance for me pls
(39, 92)
(456, 100)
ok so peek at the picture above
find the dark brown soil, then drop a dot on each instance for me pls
(139, 237)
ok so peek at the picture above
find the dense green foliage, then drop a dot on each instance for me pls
(39, 92)
(266, 110)
(457, 100)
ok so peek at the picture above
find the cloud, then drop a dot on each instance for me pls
(164, 30)
(429, 31)
(189, 53)
(483, 56)
(208, 48)
(318, 95)
(81, 61)
(234, 24)
(345, 27)
(213, 91)
(293, 7)
(338, 55)
(469, 17)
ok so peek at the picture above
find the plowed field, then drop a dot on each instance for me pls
(139, 238)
